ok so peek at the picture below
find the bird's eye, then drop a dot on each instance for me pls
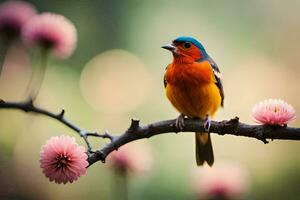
(187, 45)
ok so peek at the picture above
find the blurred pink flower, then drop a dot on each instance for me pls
(273, 112)
(62, 160)
(224, 180)
(52, 31)
(13, 15)
(133, 157)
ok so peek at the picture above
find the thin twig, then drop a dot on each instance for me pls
(28, 106)
(104, 135)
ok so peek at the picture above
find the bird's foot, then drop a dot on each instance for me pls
(207, 123)
(180, 122)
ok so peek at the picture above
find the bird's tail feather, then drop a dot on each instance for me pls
(204, 150)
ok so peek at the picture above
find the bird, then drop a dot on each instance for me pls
(193, 86)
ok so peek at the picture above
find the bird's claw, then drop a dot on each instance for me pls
(207, 123)
(180, 122)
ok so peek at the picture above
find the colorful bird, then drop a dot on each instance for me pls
(193, 86)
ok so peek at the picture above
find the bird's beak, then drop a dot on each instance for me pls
(169, 47)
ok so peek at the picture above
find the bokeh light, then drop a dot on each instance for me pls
(115, 81)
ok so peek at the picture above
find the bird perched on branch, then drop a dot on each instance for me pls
(193, 86)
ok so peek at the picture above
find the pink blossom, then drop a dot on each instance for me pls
(53, 32)
(133, 157)
(226, 180)
(273, 112)
(13, 15)
(62, 160)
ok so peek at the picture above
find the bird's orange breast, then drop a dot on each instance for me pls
(192, 90)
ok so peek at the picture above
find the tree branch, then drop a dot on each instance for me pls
(230, 127)
(137, 132)
(28, 106)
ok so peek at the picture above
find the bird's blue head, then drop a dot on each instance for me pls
(188, 47)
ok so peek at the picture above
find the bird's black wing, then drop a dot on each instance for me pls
(165, 81)
(218, 75)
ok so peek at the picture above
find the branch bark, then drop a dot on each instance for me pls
(28, 106)
(137, 132)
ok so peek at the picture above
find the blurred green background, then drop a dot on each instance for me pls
(116, 74)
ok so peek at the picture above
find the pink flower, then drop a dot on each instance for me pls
(13, 15)
(53, 32)
(62, 160)
(133, 157)
(273, 112)
(224, 180)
